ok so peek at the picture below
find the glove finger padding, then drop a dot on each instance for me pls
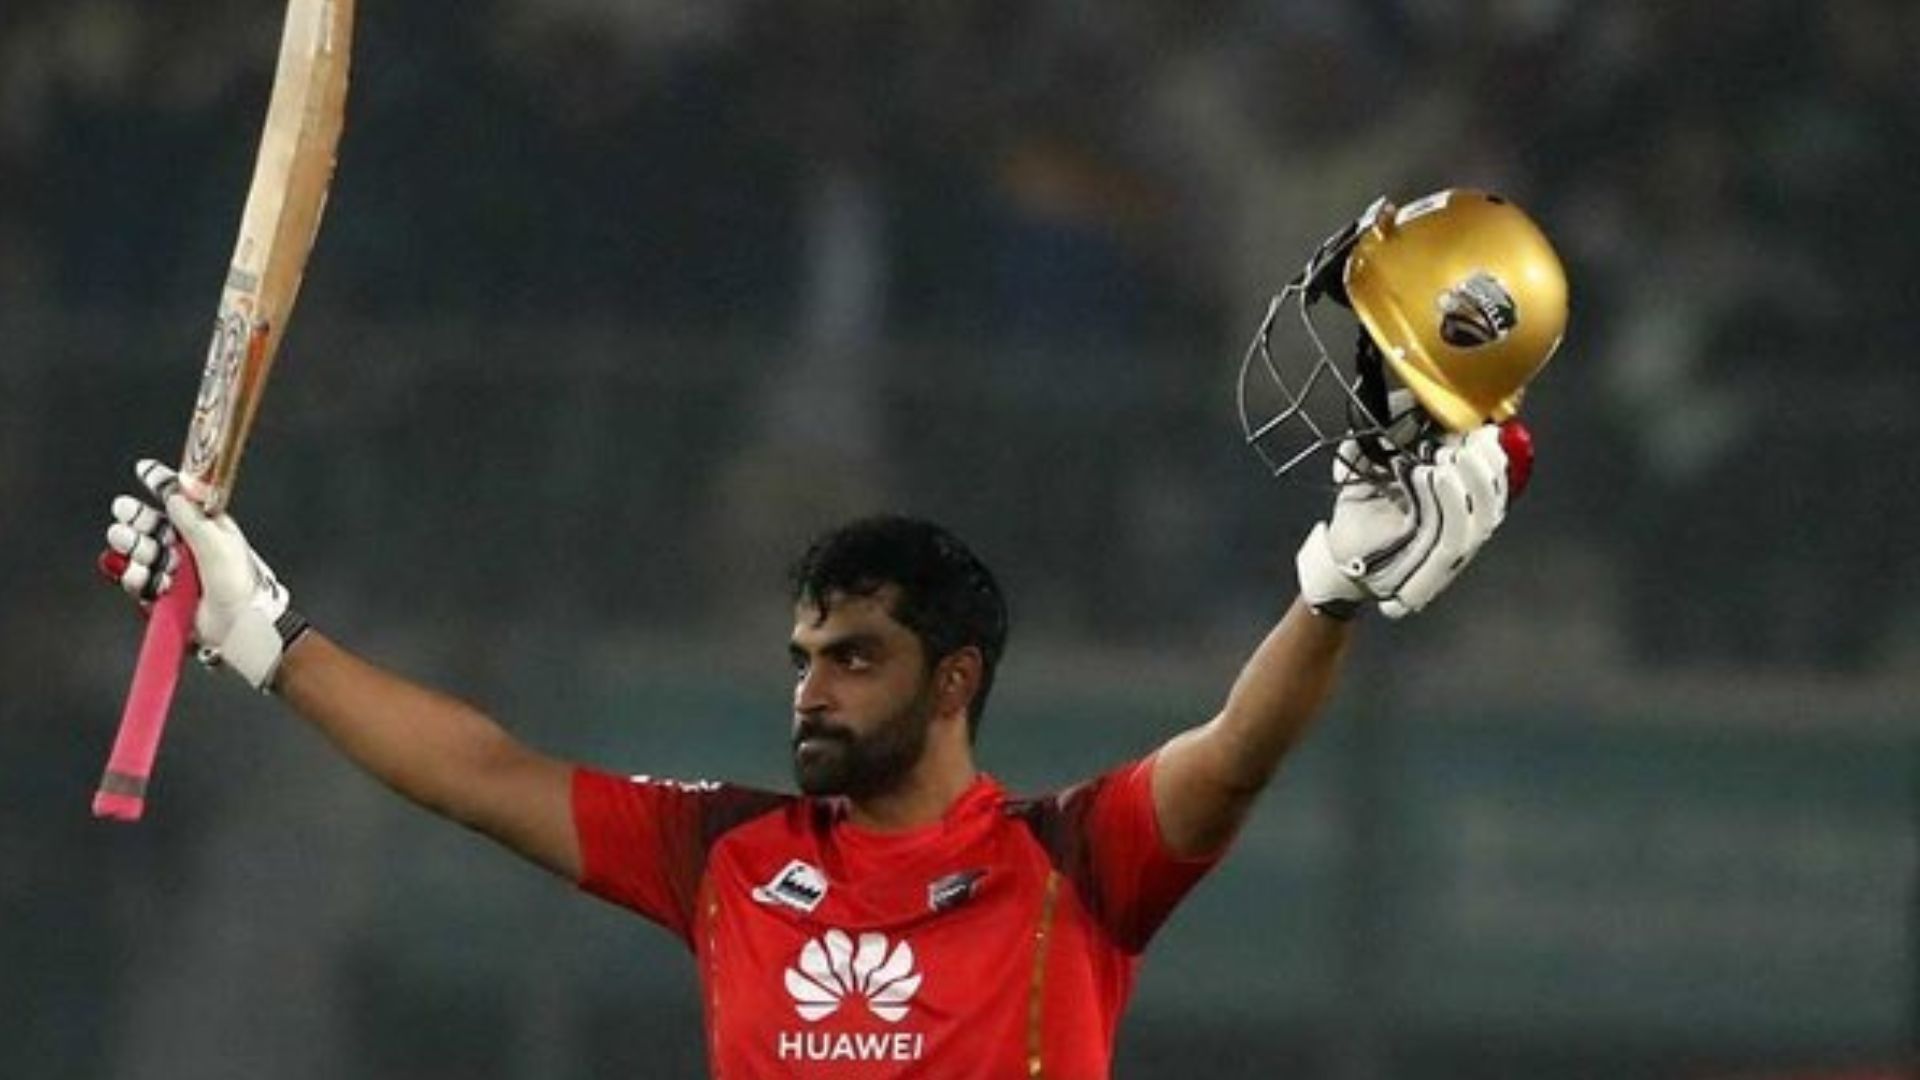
(138, 515)
(230, 571)
(1483, 473)
(1461, 499)
(140, 554)
(1446, 539)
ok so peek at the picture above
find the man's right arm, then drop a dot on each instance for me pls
(435, 750)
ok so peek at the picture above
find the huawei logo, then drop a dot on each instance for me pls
(835, 966)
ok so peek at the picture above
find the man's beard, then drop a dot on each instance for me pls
(840, 762)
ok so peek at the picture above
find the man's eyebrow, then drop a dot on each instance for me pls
(838, 645)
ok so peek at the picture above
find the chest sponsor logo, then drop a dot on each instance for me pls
(797, 885)
(838, 971)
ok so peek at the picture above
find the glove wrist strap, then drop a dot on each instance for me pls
(254, 647)
(1326, 587)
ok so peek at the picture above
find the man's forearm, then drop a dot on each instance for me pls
(1280, 691)
(1206, 778)
(433, 749)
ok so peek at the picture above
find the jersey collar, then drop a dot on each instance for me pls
(984, 795)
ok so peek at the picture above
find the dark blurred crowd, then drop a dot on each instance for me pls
(1725, 180)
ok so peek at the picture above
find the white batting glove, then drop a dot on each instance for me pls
(1400, 538)
(244, 620)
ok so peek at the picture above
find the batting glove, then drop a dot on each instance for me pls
(244, 620)
(1400, 534)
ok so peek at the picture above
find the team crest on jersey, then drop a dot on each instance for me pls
(798, 885)
(953, 890)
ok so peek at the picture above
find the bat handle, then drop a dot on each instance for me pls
(123, 788)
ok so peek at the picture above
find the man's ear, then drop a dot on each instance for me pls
(957, 678)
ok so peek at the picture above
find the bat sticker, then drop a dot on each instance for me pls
(213, 409)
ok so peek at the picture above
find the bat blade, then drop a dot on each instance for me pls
(284, 206)
(285, 202)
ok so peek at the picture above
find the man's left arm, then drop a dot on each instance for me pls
(1206, 778)
(1397, 540)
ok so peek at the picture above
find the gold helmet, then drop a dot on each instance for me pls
(1458, 299)
(1465, 298)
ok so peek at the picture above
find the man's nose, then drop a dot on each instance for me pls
(811, 692)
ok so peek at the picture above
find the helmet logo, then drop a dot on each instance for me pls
(1477, 311)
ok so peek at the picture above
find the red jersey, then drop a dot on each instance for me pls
(1001, 941)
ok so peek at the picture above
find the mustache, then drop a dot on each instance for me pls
(813, 727)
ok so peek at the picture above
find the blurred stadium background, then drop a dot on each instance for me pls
(619, 301)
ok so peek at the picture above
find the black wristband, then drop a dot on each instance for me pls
(291, 624)
(1339, 610)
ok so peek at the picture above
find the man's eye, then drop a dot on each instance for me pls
(853, 660)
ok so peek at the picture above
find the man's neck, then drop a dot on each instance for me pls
(921, 801)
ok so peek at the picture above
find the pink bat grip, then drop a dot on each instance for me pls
(123, 788)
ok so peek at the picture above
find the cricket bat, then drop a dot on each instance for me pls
(284, 205)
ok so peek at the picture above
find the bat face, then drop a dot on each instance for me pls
(284, 206)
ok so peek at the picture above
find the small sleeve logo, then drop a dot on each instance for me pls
(953, 890)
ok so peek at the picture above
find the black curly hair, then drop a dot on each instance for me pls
(944, 593)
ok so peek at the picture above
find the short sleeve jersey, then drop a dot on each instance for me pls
(1001, 941)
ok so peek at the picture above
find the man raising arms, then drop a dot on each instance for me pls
(902, 915)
